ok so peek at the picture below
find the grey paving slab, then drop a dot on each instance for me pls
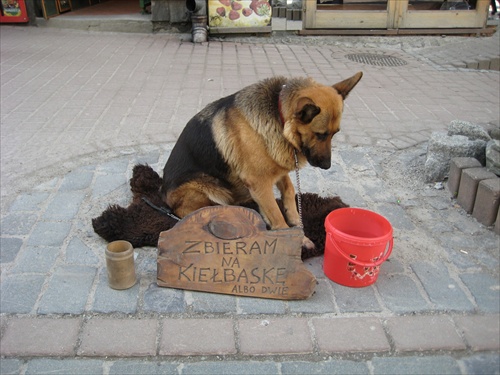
(330, 367)
(250, 305)
(400, 294)
(438, 365)
(78, 252)
(443, 291)
(68, 290)
(164, 300)
(131, 367)
(78, 179)
(30, 202)
(64, 205)
(18, 293)
(210, 302)
(360, 300)
(230, 368)
(108, 300)
(49, 233)
(10, 366)
(482, 364)
(320, 302)
(18, 224)
(36, 260)
(484, 289)
(64, 366)
(9, 248)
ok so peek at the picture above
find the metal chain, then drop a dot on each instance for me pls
(299, 193)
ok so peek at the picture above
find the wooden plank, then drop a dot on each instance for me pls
(227, 249)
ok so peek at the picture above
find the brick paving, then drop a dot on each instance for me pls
(80, 109)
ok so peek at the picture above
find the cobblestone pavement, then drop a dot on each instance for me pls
(80, 109)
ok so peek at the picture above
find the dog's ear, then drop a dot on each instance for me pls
(306, 110)
(345, 87)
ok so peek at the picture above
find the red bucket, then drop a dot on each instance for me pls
(358, 241)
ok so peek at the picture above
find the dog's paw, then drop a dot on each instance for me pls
(307, 244)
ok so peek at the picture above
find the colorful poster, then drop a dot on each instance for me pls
(13, 11)
(11, 8)
(239, 13)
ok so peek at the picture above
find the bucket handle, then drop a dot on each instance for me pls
(364, 264)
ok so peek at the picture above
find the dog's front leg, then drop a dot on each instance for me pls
(262, 194)
(287, 191)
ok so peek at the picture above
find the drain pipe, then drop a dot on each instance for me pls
(198, 10)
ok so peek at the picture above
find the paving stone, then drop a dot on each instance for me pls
(68, 290)
(487, 201)
(482, 364)
(49, 233)
(331, 367)
(400, 294)
(18, 293)
(79, 253)
(118, 337)
(197, 337)
(118, 165)
(250, 305)
(64, 366)
(78, 179)
(18, 223)
(107, 300)
(211, 302)
(377, 191)
(485, 289)
(36, 260)
(127, 367)
(350, 335)
(396, 216)
(230, 368)
(164, 300)
(356, 299)
(456, 167)
(64, 205)
(433, 332)
(29, 202)
(468, 186)
(10, 247)
(40, 337)
(481, 332)
(10, 366)
(105, 184)
(274, 336)
(438, 365)
(443, 291)
(320, 302)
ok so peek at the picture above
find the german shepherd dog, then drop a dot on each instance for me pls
(237, 148)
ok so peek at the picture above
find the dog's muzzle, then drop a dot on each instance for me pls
(317, 161)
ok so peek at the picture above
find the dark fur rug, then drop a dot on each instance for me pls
(141, 224)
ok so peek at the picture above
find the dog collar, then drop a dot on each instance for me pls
(282, 119)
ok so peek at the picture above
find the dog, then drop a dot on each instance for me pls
(239, 147)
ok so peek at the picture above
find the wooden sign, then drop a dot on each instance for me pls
(227, 249)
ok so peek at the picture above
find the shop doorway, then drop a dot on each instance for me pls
(395, 14)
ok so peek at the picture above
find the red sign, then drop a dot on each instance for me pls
(13, 11)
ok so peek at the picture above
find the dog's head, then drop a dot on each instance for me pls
(313, 118)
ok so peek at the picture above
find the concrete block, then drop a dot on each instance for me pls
(456, 167)
(484, 64)
(443, 147)
(468, 186)
(495, 63)
(487, 201)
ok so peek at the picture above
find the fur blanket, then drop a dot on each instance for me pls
(141, 224)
